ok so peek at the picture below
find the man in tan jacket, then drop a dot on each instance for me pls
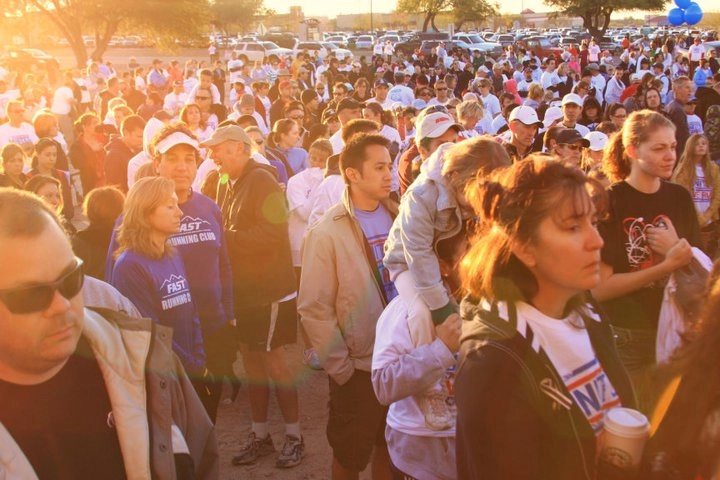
(343, 290)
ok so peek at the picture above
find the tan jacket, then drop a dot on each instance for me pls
(685, 176)
(156, 411)
(340, 301)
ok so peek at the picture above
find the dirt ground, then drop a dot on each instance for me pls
(233, 426)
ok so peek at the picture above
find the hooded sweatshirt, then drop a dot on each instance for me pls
(116, 163)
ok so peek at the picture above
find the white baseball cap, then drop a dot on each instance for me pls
(572, 98)
(175, 138)
(552, 114)
(526, 115)
(598, 141)
(435, 125)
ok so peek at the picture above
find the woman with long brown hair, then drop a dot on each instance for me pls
(701, 177)
(44, 162)
(534, 345)
(13, 161)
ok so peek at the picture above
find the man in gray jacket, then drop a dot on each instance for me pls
(85, 395)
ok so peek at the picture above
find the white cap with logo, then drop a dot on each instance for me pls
(435, 125)
(526, 115)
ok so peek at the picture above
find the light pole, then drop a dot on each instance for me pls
(371, 19)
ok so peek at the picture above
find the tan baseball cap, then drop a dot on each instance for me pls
(228, 133)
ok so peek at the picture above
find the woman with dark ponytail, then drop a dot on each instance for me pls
(648, 233)
(533, 343)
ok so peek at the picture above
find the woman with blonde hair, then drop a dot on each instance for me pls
(701, 177)
(151, 273)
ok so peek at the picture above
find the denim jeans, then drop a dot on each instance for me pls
(636, 348)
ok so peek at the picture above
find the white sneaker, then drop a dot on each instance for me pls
(436, 411)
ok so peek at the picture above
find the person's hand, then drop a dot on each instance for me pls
(449, 332)
(662, 238)
(679, 255)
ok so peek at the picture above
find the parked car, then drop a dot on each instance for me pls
(273, 49)
(427, 46)
(322, 49)
(365, 42)
(338, 40)
(29, 60)
(409, 46)
(505, 39)
(285, 40)
(340, 53)
(476, 42)
(392, 38)
(606, 43)
(252, 51)
(257, 51)
(541, 46)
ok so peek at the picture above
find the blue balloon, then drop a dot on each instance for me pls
(676, 16)
(693, 14)
(683, 4)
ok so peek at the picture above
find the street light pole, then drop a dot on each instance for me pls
(371, 19)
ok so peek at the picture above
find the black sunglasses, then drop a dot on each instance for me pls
(37, 298)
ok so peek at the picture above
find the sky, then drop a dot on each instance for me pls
(332, 9)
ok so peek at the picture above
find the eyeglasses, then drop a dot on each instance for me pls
(441, 89)
(37, 298)
(571, 146)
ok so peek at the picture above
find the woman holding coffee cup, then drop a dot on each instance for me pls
(538, 367)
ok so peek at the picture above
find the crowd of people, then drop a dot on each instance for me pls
(474, 250)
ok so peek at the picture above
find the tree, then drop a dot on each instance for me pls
(430, 8)
(472, 11)
(165, 19)
(596, 13)
(237, 13)
(462, 10)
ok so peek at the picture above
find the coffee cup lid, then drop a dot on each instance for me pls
(626, 422)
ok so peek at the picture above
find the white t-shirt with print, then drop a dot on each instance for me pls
(701, 192)
(568, 347)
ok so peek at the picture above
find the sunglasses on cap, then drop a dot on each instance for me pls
(37, 298)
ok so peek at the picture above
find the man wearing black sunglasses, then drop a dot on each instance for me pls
(82, 396)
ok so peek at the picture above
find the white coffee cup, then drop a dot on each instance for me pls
(625, 433)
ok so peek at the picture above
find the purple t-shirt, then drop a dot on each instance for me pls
(376, 226)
